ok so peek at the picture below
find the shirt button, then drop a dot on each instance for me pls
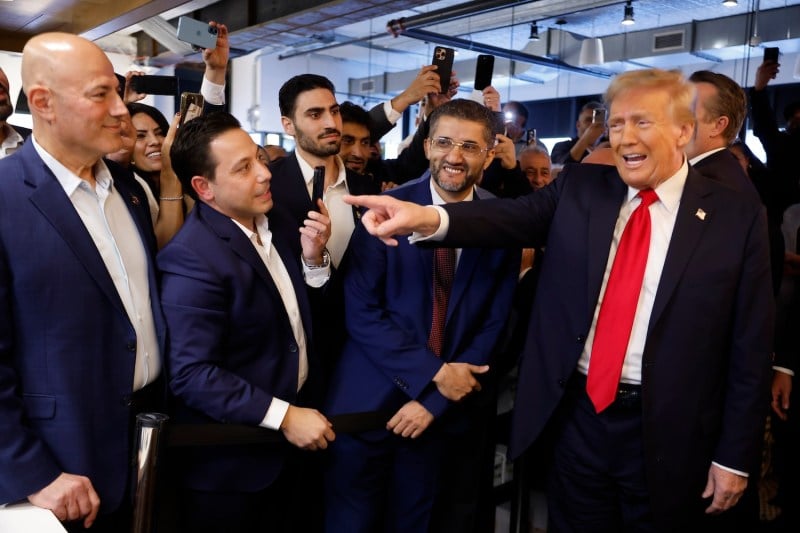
(581, 338)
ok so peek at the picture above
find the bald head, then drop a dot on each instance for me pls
(72, 95)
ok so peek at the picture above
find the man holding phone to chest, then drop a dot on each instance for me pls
(590, 125)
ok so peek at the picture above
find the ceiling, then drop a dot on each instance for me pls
(356, 31)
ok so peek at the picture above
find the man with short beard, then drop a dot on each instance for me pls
(10, 138)
(411, 356)
(310, 114)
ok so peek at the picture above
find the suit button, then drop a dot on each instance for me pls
(131, 346)
(562, 382)
(292, 348)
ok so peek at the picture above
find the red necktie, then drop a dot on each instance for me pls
(444, 267)
(615, 320)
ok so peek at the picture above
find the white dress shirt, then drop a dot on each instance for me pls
(111, 227)
(341, 214)
(262, 242)
(11, 143)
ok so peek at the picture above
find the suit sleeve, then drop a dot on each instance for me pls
(749, 370)
(380, 124)
(411, 163)
(26, 464)
(195, 305)
(391, 347)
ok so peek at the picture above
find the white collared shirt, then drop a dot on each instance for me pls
(696, 159)
(341, 214)
(111, 227)
(11, 143)
(262, 242)
(663, 214)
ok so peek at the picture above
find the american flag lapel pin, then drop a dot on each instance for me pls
(700, 214)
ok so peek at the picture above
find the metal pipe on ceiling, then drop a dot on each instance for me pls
(513, 55)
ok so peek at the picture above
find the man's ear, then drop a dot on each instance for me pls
(288, 125)
(202, 187)
(720, 124)
(40, 102)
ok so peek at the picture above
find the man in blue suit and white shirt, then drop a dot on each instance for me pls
(681, 437)
(234, 292)
(394, 479)
(81, 331)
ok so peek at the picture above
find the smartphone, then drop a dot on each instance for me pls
(191, 106)
(155, 84)
(599, 116)
(483, 72)
(198, 33)
(443, 59)
(771, 53)
(530, 137)
(498, 122)
(317, 186)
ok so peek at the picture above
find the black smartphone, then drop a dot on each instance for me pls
(191, 106)
(771, 53)
(483, 72)
(155, 84)
(443, 59)
(317, 186)
(498, 122)
(197, 33)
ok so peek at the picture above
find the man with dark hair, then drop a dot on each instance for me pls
(356, 137)
(235, 286)
(10, 138)
(416, 333)
(589, 131)
(720, 110)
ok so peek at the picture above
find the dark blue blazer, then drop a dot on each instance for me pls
(231, 343)
(706, 362)
(388, 307)
(67, 347)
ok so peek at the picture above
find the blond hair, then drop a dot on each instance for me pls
(681, 92)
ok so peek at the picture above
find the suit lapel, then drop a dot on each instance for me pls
(686, 235)
(50, 199)
(603, 214)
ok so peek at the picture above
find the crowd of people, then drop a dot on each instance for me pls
(349, 374)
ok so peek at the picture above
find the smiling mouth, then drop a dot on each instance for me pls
(634, 158)
(154, 155)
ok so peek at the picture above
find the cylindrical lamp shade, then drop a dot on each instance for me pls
(591, 52)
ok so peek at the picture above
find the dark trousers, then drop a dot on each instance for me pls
(597, 482)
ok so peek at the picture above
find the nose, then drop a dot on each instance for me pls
(360, 150)
(264, 175)
(118, 108)
(153, 139)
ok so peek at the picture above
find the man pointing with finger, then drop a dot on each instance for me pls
(421, 327)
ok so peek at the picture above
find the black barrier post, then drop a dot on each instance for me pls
(149, 433)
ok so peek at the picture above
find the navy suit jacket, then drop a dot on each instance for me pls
(723, 166)
(388, 306)
(706, 362)
(67, 347)
(231, 343)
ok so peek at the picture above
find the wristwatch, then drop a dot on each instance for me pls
(326, 261)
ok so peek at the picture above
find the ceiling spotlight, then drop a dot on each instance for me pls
(627, 20)
(730, 3)
(534, 36)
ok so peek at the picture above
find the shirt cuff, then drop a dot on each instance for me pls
(316, 277)
(732, 470)
(275, 414)
(783, 369)
(213, 93)
(439, 234)
(391, 115)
